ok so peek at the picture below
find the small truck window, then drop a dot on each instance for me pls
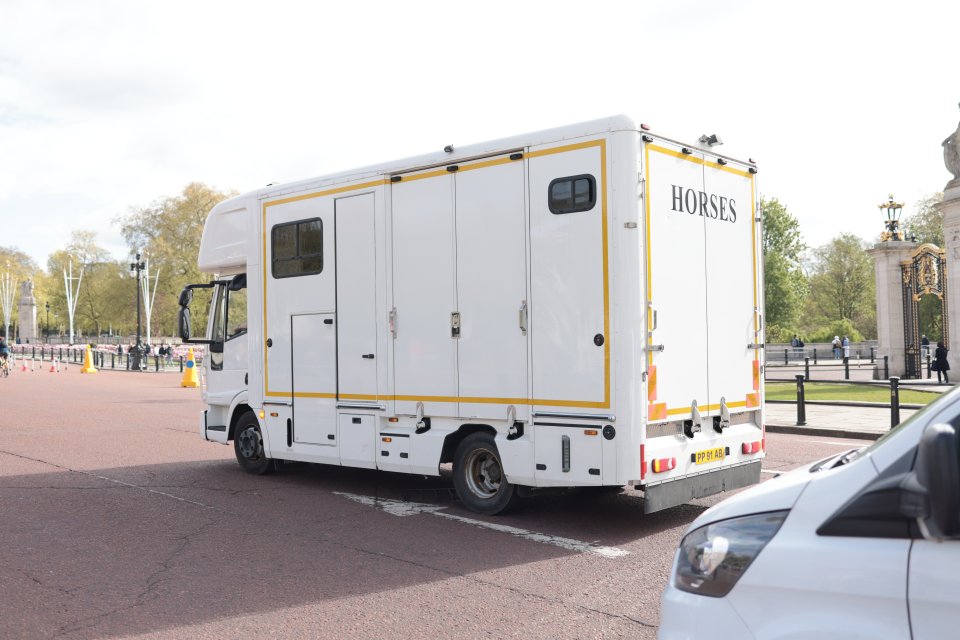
(572, 194)
(297, 248)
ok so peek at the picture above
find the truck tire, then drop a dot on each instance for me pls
(248, 445)
(478, 476)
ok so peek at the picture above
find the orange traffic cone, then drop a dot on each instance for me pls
(53, 366)
(23, 365)
(190, 377)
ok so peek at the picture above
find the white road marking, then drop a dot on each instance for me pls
(771, 471)
(834, 443)
(399, 508)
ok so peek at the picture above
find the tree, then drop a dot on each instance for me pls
(104, 298)
(927, 222)
(842, 287)
(21, 268)
(785, 282)
(168, 232)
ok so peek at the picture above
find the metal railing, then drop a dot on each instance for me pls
(101, 359)
(801, 400)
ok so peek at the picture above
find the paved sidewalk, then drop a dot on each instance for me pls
(841, 422)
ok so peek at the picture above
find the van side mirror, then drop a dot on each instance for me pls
(183, 319)
(937, 470)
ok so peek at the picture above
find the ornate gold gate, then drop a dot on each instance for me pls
(924, 273)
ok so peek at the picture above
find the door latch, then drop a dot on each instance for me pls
(523, 317)
(455, 324)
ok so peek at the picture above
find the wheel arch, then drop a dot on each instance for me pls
(454, 438)
(239, 408)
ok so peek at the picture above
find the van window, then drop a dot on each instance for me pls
(572, 194)
(297, 248)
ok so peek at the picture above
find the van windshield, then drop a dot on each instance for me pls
(923, 415)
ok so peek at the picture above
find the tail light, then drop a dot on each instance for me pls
(751, 447)
(663, 464)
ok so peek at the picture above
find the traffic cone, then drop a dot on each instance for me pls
(53, 366)
(190, 377)
(88, 362)
(23, 364)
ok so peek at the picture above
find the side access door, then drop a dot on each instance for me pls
(299, 316)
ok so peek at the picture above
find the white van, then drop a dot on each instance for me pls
(864, 544)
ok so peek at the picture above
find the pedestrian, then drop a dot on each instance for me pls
(925, 345)
(169, 353)
(940, 364)
(846, 347)
(836, 347)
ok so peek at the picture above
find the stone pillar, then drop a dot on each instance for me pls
(887, 257)
(950, 206)
(27, 313)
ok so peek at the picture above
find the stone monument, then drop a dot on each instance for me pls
(27, 312)
(950, 207)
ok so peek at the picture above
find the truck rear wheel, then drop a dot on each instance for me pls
(478, 476)
(248, 445)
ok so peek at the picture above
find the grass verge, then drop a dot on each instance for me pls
(846, 393)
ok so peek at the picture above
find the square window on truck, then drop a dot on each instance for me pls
(572, 194)
(297, 248)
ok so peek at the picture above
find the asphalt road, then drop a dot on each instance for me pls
(117, 520)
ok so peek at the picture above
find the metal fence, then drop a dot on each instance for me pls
(58, 355)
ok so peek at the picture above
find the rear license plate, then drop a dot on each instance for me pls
(709, 455)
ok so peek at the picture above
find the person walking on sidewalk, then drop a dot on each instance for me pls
(836, 347)
(940, 364)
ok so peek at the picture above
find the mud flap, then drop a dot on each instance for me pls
(671, 494)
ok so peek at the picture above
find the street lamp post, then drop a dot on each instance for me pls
(136, 354)
(892, 211)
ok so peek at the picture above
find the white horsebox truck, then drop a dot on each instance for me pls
(578, 307)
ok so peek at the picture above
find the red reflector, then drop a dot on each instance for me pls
(645, 127)
(664, 464)
(750, 447)
(643, 463)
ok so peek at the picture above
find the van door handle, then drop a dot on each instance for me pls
(523, 317)
(367, 356)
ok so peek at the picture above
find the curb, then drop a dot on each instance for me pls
(824, 432)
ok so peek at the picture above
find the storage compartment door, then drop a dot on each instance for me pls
(568, 455)
(491, 289)
(356, 298)
(569, 297)
(358, 441)
(733, 295)
(314, 358)
(676, 280)
(425, 358)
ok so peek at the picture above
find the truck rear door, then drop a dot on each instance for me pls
(702, 283)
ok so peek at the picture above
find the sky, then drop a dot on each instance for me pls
(106, 106)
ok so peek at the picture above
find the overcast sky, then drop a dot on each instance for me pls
(107, 105)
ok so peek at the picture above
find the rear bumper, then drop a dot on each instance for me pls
(674, 492)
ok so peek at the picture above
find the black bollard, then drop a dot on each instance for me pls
(872, 355)
(801, 403)
(181, 364)
(806, 367)
(894, 401)
(814, 355)
(112, 361)
(928, 366)
(786, 356)
(156, 365)
(886, 367)
(846, 368)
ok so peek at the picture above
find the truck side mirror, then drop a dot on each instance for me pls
(938, 470)
(186, 297)
(183, 319)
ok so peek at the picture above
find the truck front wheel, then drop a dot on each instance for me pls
(248, 445)
(478, 476)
